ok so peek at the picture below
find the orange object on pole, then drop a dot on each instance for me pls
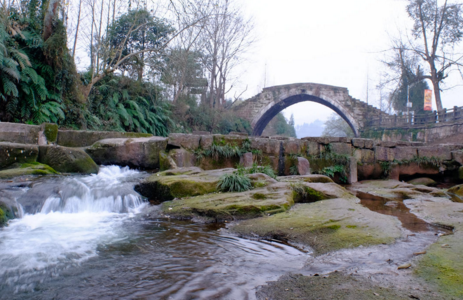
(428, 100)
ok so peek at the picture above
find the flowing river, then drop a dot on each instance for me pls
(85, 237)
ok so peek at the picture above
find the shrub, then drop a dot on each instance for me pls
(234, 183)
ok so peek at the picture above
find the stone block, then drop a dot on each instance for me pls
(201, 133)
(405, 153)
(260, 144)
(186, 141)
(67, 160)
(19, 133)
(388, 144)
(342, 148)
(368, 156)
(384, 153)
(345, 140)
(85, 138)
(238, 133)
(292, 147)
(229, 139)
(303, 166)
(352, 170)
(11, 153)
(206, 142)
(274, 147)
(137, 153)
(358, 143)
(246, 160)
(440, 152)
(313, 148)
(369, 144)
(182, 158)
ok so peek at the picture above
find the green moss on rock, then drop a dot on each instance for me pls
(51, 132)
(3, 218)
(27, 169)
(273, 199)
(67, 160)
(323, 226)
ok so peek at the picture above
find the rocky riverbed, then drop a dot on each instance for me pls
(376, 239)
(381, 239)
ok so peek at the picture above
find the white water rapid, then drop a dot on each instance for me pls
(79, 214)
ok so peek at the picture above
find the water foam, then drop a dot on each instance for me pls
(86, 212)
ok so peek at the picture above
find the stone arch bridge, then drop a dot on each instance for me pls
(260, 109)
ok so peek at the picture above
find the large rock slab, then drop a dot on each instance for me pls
(16, 170)
(441, 265)
(172, 184)
(325, 226)
(67, 160)
(19, 133)
(136, 153)
(11, 153)
(85, 138)
(219, 207)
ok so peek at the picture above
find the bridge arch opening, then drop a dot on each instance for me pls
(263, 121)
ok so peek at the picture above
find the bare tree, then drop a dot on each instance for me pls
(227, 36)
(437, 30)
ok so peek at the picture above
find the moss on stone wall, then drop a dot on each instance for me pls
(51, 132)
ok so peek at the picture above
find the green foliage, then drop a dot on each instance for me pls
(223, 151)
(234, 182)
(267, 170)
(293, 170)
(339, 163)
(190, 115)
(337, 126)
(280, 126)
(123, 104)
(38, 81)
(336, 169)
(304, 194)
(137, 31)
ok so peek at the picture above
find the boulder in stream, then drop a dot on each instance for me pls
(67, 160)
(11, 153)
(133, 152)
(423, 181)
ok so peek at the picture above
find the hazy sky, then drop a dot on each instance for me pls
(335, 42)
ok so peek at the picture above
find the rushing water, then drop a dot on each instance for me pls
(84, 237)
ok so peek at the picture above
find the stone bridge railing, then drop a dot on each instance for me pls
(405, 121)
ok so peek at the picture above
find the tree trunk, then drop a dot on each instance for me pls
(50, 15)
(435, 84)
(77, 31)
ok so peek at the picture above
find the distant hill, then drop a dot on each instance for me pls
(313, 129)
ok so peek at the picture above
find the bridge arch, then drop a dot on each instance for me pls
(260, 122)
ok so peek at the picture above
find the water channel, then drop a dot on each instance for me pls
(86, 237)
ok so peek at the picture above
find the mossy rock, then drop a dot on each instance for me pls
(219, 207)
(16, 170)
(326, 226)
(306, 178)
(178, 183)
(456, 193)
(442, 265)
(67, 160)
(423, 181)
(11, 153)
(6, 214)
(3, 218)
(51, 132)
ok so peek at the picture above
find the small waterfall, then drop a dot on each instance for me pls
(104, 192)
(63, 222)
